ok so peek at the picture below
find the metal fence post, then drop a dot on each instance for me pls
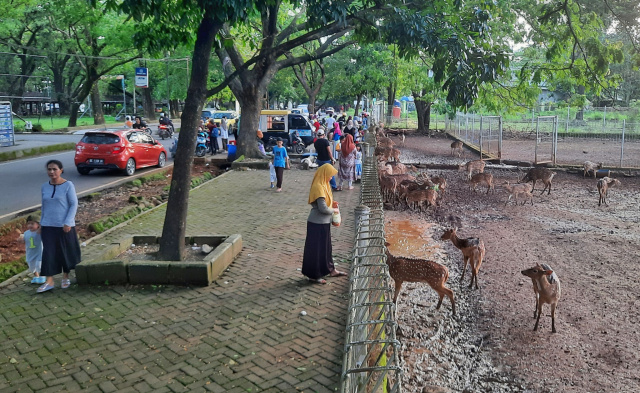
(537, 140)
(624, 125)
(500, 138)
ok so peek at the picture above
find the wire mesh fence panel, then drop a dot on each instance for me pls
(491, 135)
(371, 357)
(546, 128)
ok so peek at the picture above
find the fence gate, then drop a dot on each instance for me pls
(491, 136)
(546, 139)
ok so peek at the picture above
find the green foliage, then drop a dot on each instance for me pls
(10, 269)
(136, 183)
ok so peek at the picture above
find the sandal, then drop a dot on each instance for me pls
(318, 280)
(44, 288)
(65, 283)
(337, 273)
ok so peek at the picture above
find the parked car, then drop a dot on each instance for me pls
(207, 113)
(125, 150)
(329, 111)
(231, 116)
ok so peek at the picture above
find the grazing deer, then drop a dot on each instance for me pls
(482, 178)
(546, 286)
(403, 269)
(472, 250)
(456, 146)
(591, 166)
(518, 189)
(543, 174)
(471, 166)
(603, 188)
(441, 182)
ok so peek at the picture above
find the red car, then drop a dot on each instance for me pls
(126, 150)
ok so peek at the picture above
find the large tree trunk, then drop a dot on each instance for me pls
(391, 96)
(312, 103)
(73, 116)
(358, 98)
(247, 142)
(424, 115)
(175, 109)
(96, 104)
(149, 107)
(175, 220)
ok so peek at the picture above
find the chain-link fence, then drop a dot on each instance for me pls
(615, 143)
(371, 357)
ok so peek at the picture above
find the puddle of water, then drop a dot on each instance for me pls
(410, 236)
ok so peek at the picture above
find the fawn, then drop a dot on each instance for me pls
(471, 166)
(456, 146)
(546, 286)
(603, 188)
(518, 189)
(480, 178)
(472, 250)
(543, 174)
(591, 166)
(403, 269)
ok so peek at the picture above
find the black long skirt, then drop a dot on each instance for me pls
(317, 261)
(60, 251)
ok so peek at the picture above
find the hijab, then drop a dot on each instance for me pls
(320, 187)
(347, 146)
(350, 124)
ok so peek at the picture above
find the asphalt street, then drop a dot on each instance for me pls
(21, 179)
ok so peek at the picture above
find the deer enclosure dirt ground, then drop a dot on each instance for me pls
(490, 346)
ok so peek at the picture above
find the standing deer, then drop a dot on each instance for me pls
(471, 166)
(546, 286)
(603, 188)
(482, 178)
(543, 174)
(518, 189)
(403, 269)
(456, 146)
(472, 250)
(591, 166)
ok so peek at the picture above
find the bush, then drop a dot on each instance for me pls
(8, 270)
(37, 128)
(136, 183)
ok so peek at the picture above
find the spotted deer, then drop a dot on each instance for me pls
(472, 166)
(518, 189)
(543, 174)
(403, 269)
(456, 146)
(591, 166)
(482, 178)
(472, 250)
(546, 286)
(603, 188)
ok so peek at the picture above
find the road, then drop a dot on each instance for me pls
(21, 179)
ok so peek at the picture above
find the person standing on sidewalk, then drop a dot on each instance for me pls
(61, 250)
(325, 155)
(280, 161)
(317, 260)
(224, 132)
(347, 167)
(33, 248)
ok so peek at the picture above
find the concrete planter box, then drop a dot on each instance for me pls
(108, 269)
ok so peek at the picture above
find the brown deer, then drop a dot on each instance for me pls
(472, 250)
(482, 178)
(591, 166)
(441, 182)
(402, 139)
(471, 166)
(403, 269)
(422, 197)
(546, 286)
(603, 188)
(543, 174)
(456, 146)
(518, 189)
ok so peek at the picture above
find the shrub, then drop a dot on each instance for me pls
(8, 270)
(37, 128)
(136, 183)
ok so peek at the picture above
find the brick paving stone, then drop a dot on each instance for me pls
(165, 338)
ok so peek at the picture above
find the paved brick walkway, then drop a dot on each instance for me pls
(242, 334)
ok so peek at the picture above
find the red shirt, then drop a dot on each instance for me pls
(316, 125)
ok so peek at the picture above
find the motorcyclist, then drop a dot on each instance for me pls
(165, 121)
(139, 124)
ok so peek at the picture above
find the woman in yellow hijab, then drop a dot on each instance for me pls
(317, 261)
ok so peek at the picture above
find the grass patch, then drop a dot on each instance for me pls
(8, 270)
(48, 124)
(12, 155)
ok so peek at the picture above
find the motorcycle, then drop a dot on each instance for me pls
(165, 131)
(201, 144)
(297, 144)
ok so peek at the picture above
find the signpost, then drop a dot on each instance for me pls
(6, 124)
(142, 77)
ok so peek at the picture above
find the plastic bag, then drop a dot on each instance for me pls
(336, 219)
